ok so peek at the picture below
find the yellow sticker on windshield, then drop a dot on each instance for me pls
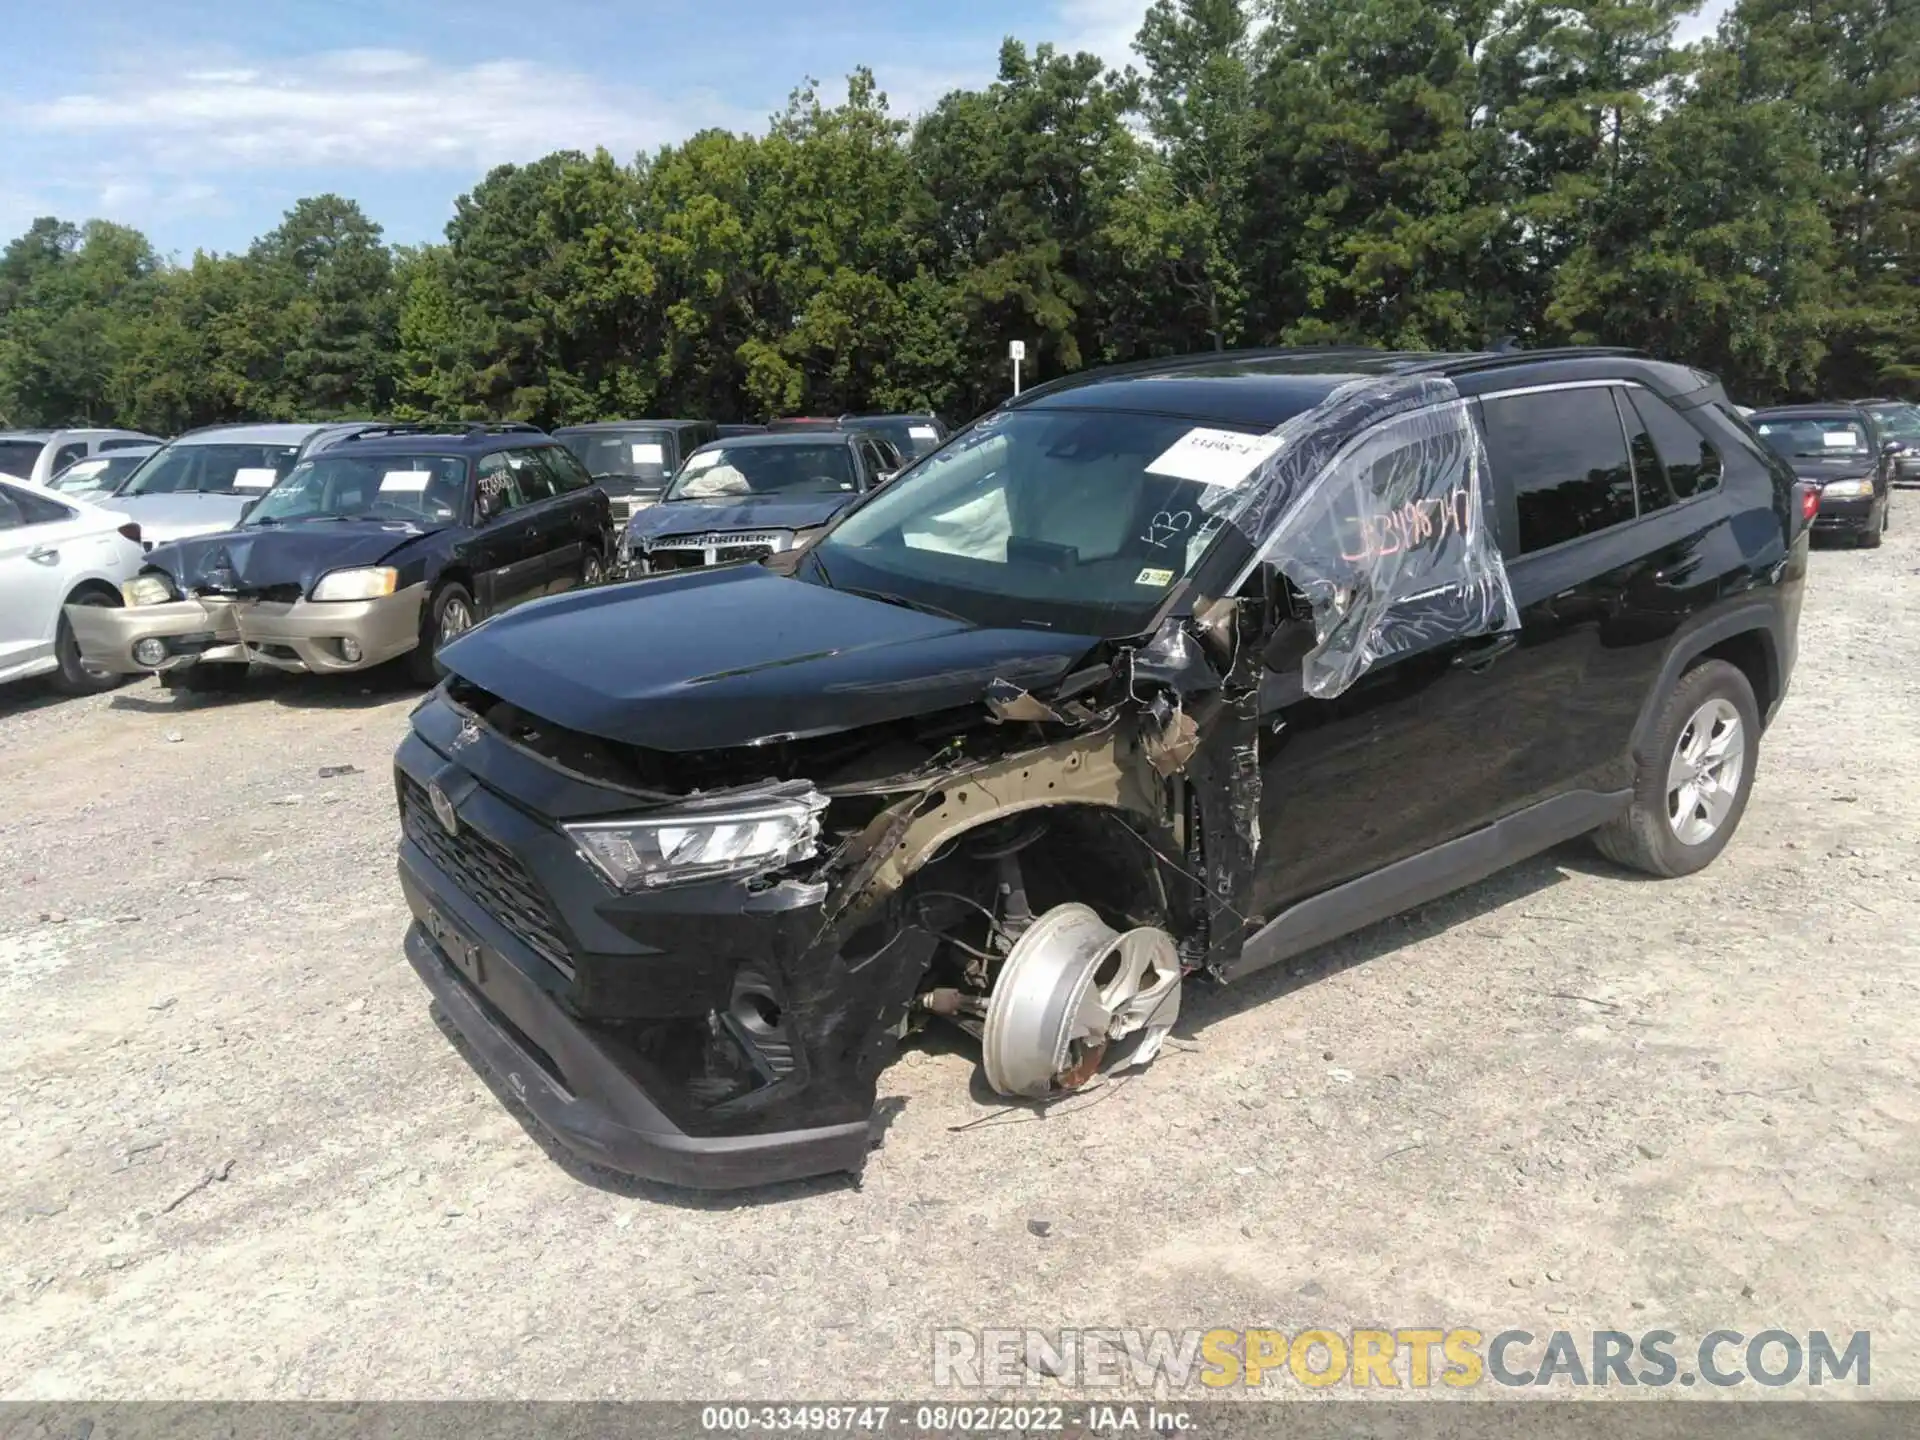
(1159, 579)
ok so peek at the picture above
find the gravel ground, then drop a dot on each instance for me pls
(239, 1157)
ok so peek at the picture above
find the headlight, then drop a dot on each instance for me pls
(1860, 489)
(368, 584)
(147, 590)
(699, 841)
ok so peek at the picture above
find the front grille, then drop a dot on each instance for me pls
(687, 552)
(489, 874)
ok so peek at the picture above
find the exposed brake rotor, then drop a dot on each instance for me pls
(1071, 986)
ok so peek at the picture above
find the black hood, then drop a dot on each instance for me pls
(1840, 467)
(760, 512)
(710, 659)
(268, 557)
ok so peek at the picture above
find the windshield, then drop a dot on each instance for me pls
(1059, 518)
(912, 438)
(742, 471)
(1901, 422)
(423, 489)
(1813, 437)
(212, 470)
(640, 455)
(17, 457)
(101, 472)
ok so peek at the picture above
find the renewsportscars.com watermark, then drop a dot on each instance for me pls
(1414, 1358)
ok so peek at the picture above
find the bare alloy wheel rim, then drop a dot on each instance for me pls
(590, 572)
(1703, 778)
(455, 620)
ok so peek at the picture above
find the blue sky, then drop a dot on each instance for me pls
(201, 120)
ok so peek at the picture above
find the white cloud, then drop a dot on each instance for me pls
(364, 109)
(1105, 27)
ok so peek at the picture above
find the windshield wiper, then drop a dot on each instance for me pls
(887, 597)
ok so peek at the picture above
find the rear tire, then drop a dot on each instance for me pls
(74, 676)
(450, 615)
(1692, 781)
(593, 570)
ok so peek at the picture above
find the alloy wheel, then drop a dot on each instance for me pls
(455, 620)
(1703, 778)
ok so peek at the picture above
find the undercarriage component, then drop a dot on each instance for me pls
(1072, 986)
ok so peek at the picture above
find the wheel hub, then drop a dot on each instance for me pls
(1703, 778)
(1070, 988)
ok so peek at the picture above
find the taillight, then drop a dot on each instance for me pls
(1809, 502)
(131, 531)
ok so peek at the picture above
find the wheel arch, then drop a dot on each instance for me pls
(1745, 638)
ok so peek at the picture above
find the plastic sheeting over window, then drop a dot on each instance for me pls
(1375, 505)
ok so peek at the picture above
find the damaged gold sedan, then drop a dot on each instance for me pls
(1152, 677)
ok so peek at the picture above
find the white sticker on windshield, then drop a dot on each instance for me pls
(923, 432)
(1159, 579)
(254, 479)
(703, 460)
(413, 480)
(1214, 457)
(1841, 440)
(649, 454)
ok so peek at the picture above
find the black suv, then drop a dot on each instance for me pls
(1154, 676)
(632, 460)
(388, 543)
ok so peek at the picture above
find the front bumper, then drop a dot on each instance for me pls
(630, 1019)
(1845, 517)
(303, 635)
(569, 1078)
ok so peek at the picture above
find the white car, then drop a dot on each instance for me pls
(57, 551)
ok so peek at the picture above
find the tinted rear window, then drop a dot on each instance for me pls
(1563, 456)
(17, 457)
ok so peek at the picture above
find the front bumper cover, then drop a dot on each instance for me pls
(303, 635)
(1845, 516)
(567, 1076)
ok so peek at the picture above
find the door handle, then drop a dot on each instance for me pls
(1481, 655)
(44, 555)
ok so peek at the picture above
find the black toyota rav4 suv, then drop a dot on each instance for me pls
(1151, 678)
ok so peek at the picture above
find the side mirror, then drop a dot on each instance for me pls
(248, 509)
(1893, 447)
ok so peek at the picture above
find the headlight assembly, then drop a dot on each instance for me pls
(702, 840)
(1861, 489)
(368, 584)
(148, 590)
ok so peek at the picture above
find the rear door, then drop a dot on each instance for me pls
(508, 561)
(576, 521)
(1605, 562)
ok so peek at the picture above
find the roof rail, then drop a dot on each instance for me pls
(471, 429)
(1196, 358)
(1513, 354)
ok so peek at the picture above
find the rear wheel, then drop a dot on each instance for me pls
(75, 676)
(1692, 782)
(593, 570)
(450, 615)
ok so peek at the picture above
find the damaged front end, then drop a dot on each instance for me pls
(693, 964)
(702, 984)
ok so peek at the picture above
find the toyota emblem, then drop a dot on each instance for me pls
(443, 809)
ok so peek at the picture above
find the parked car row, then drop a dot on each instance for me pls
(344, 545)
